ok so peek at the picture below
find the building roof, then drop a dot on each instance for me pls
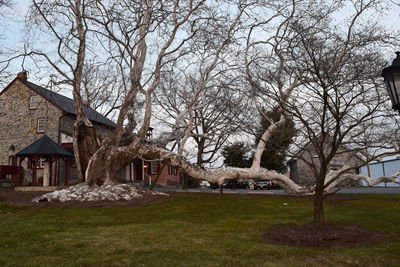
(64, 103)
(67, 104)
(44, 147)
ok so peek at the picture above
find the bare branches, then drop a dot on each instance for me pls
(341, 109)
(194, 66)
(370, 182)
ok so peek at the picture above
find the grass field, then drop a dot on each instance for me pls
(190, 231)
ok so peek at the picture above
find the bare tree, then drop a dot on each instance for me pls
(5, 3)
(295, 58)
(342, 111)
(65, 24)
(117, 152)
(171, 46)
(219, 115)
(102, 87)
(326, 78)
(7, 55)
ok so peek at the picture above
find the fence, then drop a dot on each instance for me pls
(10, 175)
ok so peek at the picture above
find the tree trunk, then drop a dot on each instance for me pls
(106, 162)
(221, 189)
(97, 168)
(319, 218)
(109, 159)
(85, 144)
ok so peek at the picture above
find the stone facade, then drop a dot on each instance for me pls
(23, 121)
(18, 122)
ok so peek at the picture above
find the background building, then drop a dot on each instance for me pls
(386, 167)
(29, 113)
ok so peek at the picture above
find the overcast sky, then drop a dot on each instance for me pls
(14, 34)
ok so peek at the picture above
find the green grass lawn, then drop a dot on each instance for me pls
(190, 231)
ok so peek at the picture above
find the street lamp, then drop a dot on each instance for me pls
(391, 75)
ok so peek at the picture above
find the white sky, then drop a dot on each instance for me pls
(13, 24)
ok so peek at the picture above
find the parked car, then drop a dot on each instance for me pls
(204, 184)
(275, 186)
(214, 185)
(262, 184)
(243, 185)
(235, 184)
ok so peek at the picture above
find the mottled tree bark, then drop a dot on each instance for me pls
(85, 144)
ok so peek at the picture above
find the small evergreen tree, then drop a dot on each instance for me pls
(237, 155)
(273, 158)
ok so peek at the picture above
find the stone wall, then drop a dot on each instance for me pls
(18, 123)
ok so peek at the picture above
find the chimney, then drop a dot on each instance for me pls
(86, 102)
(23, 75)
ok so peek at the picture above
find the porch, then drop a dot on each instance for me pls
(144, 173)
(41, 164)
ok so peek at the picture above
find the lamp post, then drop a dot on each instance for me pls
(391, 75)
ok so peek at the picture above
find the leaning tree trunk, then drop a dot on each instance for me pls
(85, 144)
(109, 159)
(106, 162)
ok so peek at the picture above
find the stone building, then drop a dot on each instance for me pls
(301, 173)
(29, 112)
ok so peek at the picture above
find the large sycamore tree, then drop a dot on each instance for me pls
(290, 56)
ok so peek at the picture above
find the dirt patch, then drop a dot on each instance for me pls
(330, 236)
(25, 199)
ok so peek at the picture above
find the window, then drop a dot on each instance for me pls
(154, 167)
(170, 169)
(33, 102)
(40, 163)
(2, 104)
(13, 161)
(41, 124)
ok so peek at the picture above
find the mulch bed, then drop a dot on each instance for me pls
(25, 199)
(330, 236)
